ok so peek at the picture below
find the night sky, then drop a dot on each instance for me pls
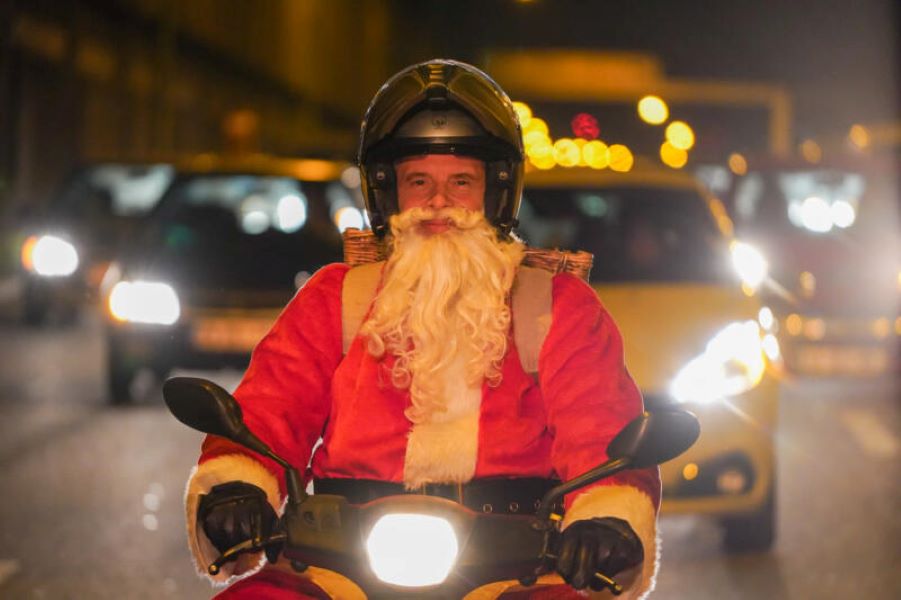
(840, 59)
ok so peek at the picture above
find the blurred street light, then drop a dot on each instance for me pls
(672, 156)
(859, 136)
(811, 151)
(653, 110)
(524, 112)
(566, 152)
(621, 159)
(738, 164)
(596, 154)
(680, 135)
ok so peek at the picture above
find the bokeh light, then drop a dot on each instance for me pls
(811, 151)
(566, 152)
(680, 135)
(523, 112)
(653, 110)
(738, 164)
(859, 136)
(672, 156)
(596, 155)
(621, 159)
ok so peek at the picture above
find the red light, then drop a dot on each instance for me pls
(585, 126)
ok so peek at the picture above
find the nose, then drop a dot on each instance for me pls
(439, 199)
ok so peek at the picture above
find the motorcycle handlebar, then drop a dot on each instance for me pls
(247, 546)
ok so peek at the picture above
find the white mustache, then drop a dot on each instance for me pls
(461, 218)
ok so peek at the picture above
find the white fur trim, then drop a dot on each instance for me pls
(445, 448)
(228, 467)
(635, 507)
(442, 452)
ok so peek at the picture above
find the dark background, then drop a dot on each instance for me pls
(142, 78)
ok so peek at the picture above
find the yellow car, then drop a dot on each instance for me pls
(683, 292)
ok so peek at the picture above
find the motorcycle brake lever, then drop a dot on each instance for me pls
(611, 584)
(615, 588)
(251, 545)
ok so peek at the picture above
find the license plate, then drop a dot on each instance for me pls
(230, 334)
(842, 360)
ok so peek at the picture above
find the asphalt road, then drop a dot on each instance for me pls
(90, 505)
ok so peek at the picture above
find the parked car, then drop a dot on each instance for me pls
(227, 247)
(67, 246)
(681, 290)
(833, 232)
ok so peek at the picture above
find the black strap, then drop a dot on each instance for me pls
(496, 495)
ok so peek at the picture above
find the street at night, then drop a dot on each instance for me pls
(543, 297)
(93, 507)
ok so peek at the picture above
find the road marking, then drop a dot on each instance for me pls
(870, 433)
(8, 568)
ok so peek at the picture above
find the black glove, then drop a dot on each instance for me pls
(233, 512)
(607, 545)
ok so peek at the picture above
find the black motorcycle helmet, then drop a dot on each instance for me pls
(441, 107)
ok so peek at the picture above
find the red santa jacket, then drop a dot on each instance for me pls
(299, 387)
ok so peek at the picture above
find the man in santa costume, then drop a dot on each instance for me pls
(432, 389)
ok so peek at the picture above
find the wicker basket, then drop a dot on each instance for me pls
(362, 246)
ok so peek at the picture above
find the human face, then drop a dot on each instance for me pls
(439, 181)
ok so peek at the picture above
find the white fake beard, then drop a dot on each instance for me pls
(442, 313)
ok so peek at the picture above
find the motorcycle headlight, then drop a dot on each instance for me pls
(732, 363)
(49, 256)
(412, 550)
(749, 263)
(144, 302)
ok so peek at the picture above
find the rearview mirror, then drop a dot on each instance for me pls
(204, 406)
(655, 437)
(649, 439)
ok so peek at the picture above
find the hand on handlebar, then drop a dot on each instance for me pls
(604, 544)
(234, 512)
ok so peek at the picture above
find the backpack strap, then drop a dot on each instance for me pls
(359, 288)
(531, 303)
(531, 306)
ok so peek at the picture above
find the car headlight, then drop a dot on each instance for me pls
(144, 302)
(412, 550)
(749, 263)
(49, 256)
(732, 363)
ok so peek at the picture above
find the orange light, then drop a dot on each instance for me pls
(690, 471)
(28, 252)
(653, 110)
(672, 156)
(680, 135)
(811, 151)
(794, 324)
(621, 159)
(859, 136)
(722, 216)
(815, 329)
(738, 164)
